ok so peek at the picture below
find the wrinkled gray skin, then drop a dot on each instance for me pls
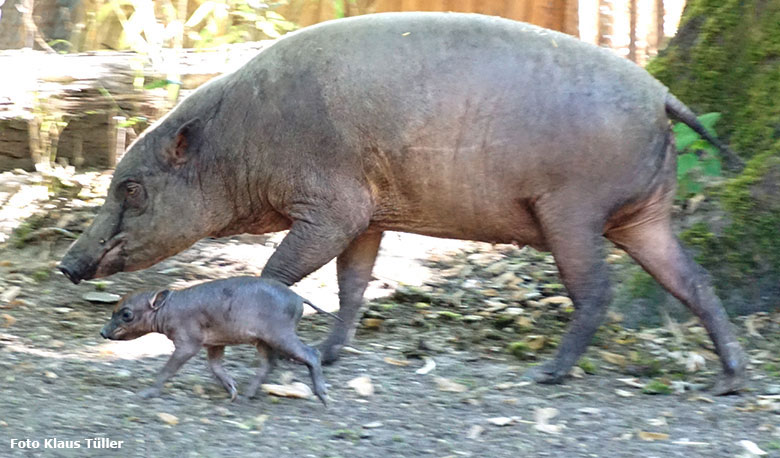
(447, 125)
(239, 310)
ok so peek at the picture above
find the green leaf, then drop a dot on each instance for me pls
(684, 136)
(338, 9)
(712, 167)
(156, 84)
(685, 163)
(709, 120)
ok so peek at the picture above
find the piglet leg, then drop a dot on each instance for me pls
(299, 351)
(183, 352)
(215, 355)
(267, 363)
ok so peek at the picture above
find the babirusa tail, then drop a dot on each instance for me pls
(678, 110)
(319, 310)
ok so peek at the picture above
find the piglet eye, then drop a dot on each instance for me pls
(134, 194)
(127, 315)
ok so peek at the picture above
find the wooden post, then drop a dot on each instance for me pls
(632, 31)
(120, 139)
(660, 13)
(29, 26)
(605, 23)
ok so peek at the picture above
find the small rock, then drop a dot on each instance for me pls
(590, 410)
(198, 390)
(168, 418)
(472, 318)
(624, 393)
(542, 416)
(561, 301)
(362, 386)
(373, 424)
(50, 375)
(494, 306)
(445, 384)
(514, 311)
(98, 296)
(695, 362)
(63, 310)
(123, 373)
(474, 432)
(577, 372)
(501, 421)
(772, 389)
(10, 294)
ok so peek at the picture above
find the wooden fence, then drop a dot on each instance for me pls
(635, 29)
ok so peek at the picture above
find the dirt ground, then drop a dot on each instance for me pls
(482, 314)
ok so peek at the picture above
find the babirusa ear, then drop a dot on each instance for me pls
(158, 299)
(180, 149)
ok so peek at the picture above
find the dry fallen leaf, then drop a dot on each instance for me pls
(445, 384)
(535, 342)
(430, 365)
(751, 448)
(632, 382)
(396, 362)
(168, 418)
(613, 358)
(752, 325)
(372, 323)
(293, 390)
(650, 436)
(362, 385)
(8, 320)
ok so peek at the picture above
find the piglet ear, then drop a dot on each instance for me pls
(181, 148)
(158, 299)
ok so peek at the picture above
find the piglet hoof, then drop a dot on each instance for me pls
(233, 394)
(149, 393)
(329, 352)
(323, 398)
(728, 384)
(547, 373)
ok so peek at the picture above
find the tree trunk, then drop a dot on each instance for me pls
(726, 58)
(11, 25)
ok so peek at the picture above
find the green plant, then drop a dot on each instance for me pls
(699, 158)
